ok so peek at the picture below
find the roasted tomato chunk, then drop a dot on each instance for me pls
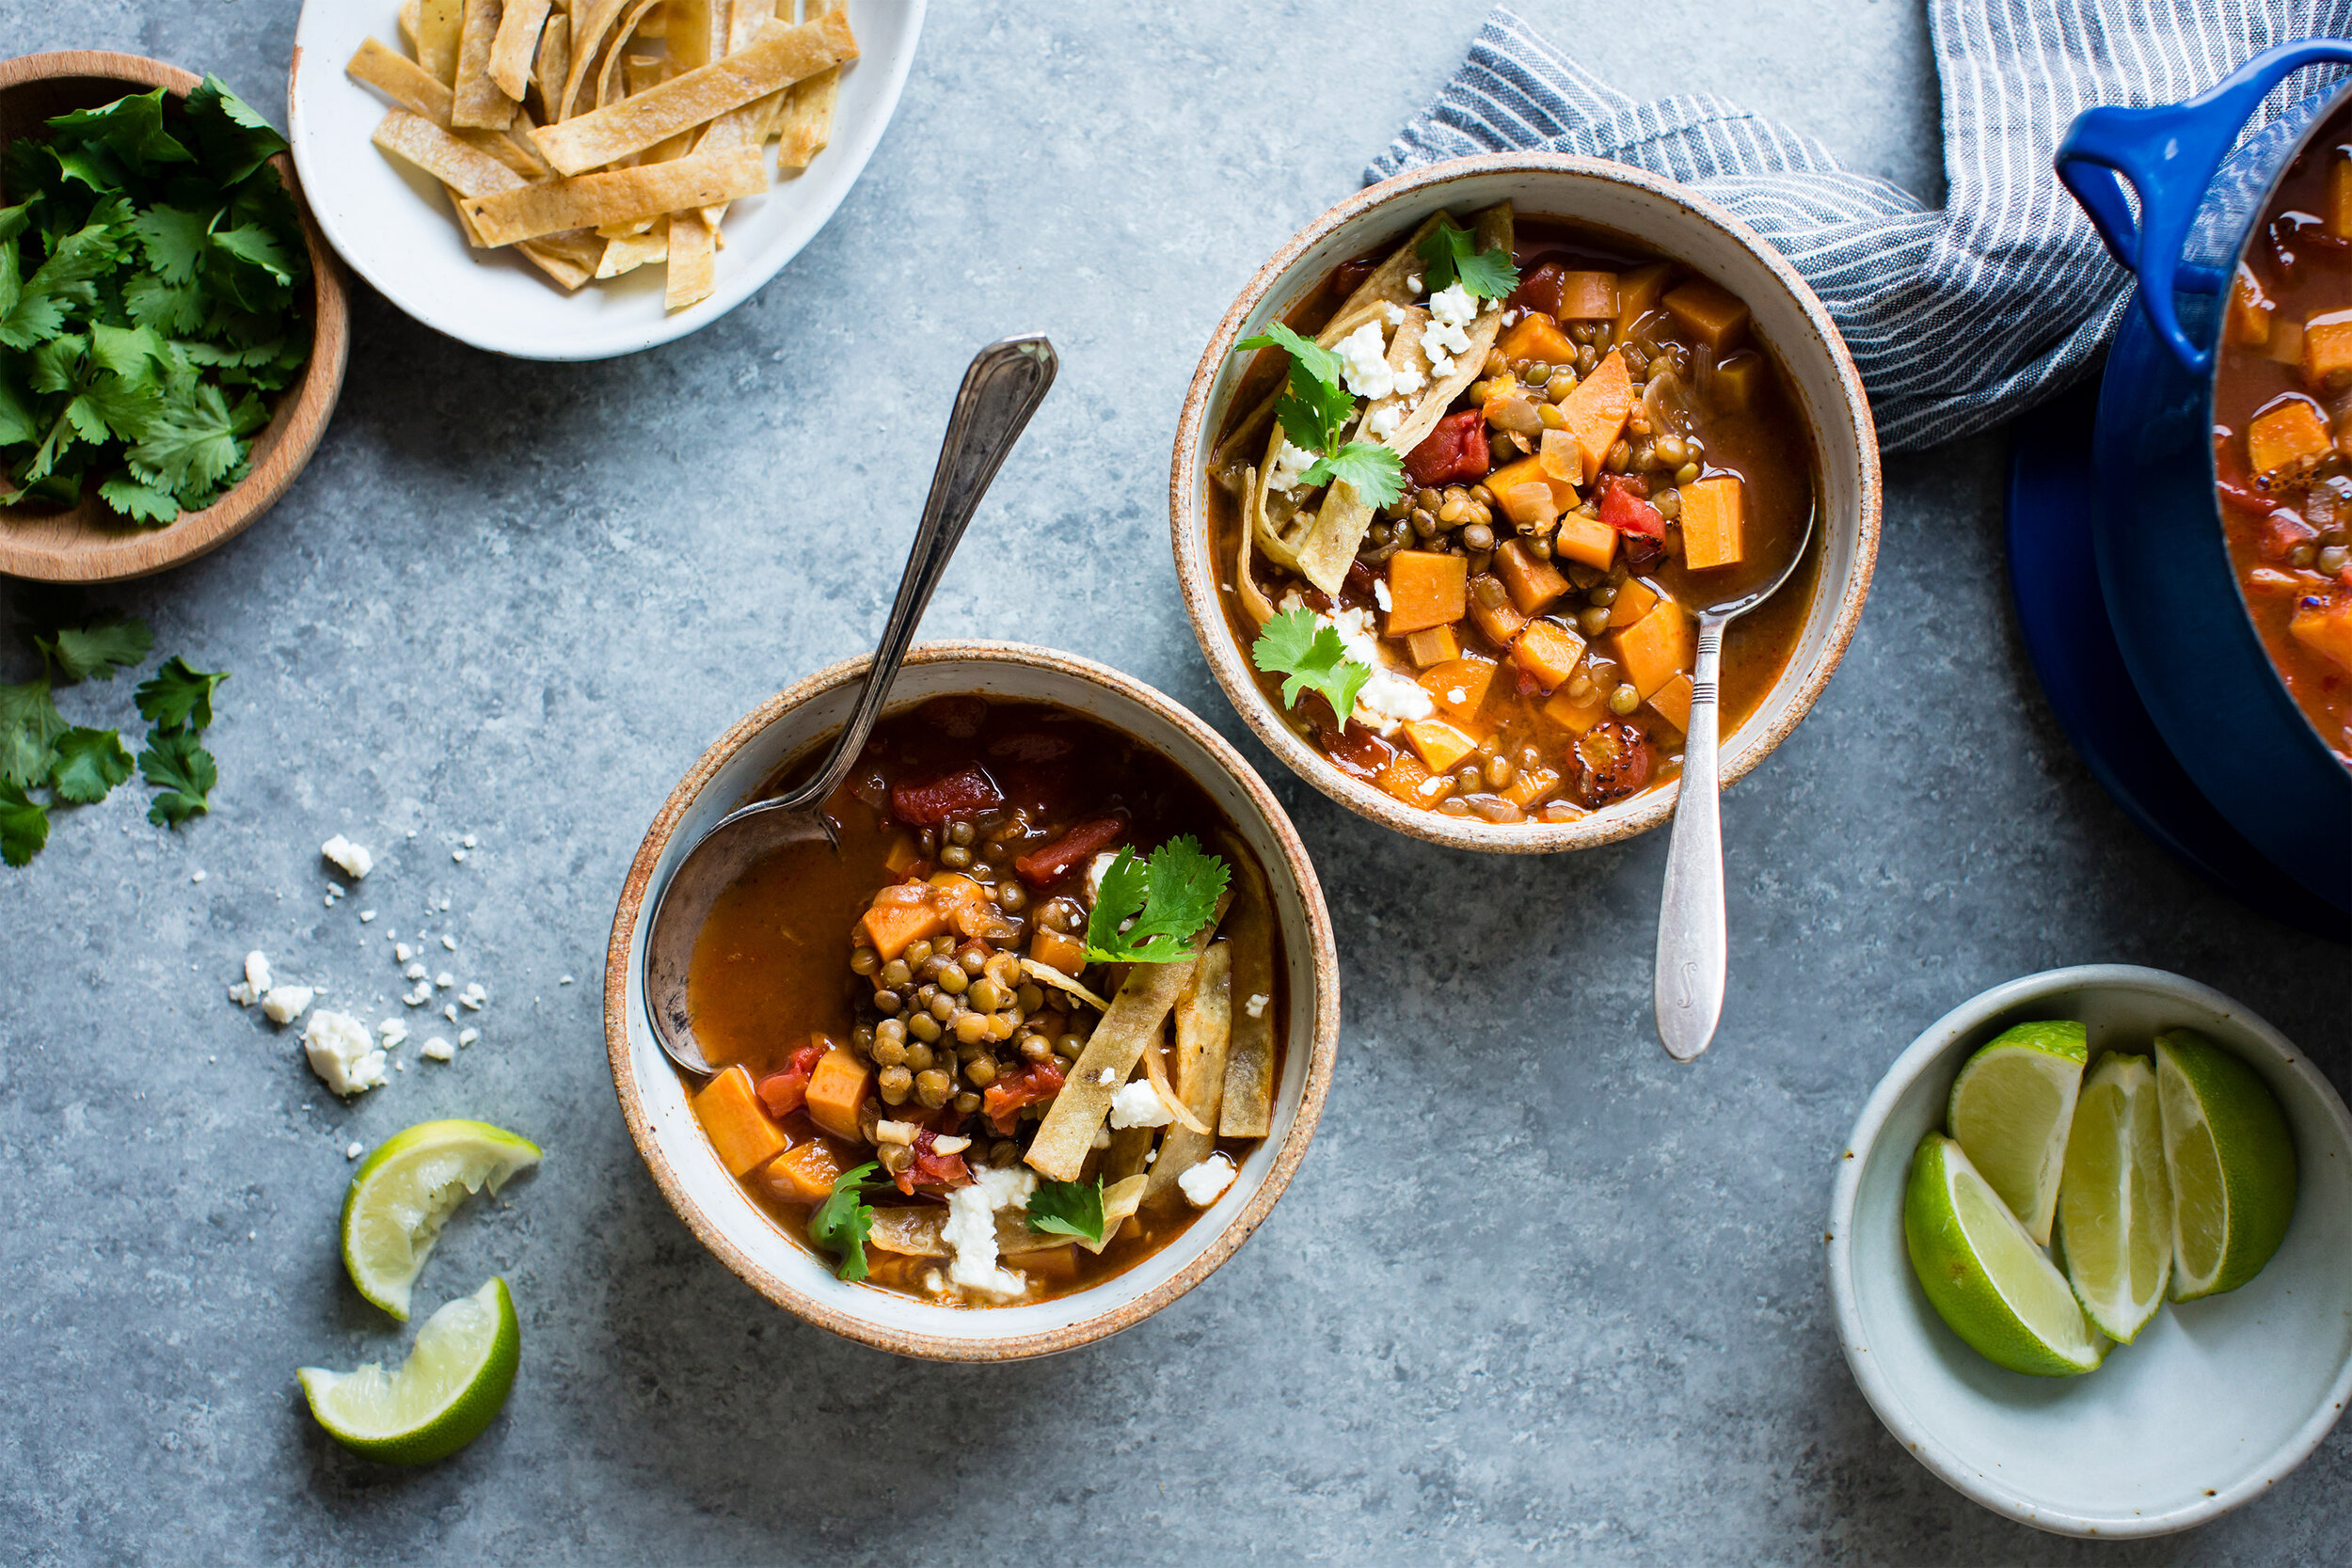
(1081, 843)
(961, 793)
(1453, 454)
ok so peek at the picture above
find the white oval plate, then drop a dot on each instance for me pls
(393, 227)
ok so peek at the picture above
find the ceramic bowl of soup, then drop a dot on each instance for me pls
(1599, 401)
(1025, 1057)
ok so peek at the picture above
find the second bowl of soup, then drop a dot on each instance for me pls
(1466, 456)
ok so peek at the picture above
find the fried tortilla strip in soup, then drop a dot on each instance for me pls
(1246, 1105)
(1205, 1025)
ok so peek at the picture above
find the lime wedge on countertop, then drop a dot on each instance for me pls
(2231, 1161)
(403, 1194)
(2010, 1109)
(2115, 1204)
(443, 1397)
(1985, 1276)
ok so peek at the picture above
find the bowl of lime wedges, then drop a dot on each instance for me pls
(2091, 1252)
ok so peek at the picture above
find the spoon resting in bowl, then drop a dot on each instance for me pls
(1002, 388)
(1687, 989)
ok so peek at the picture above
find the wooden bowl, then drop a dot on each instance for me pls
(1660, 216)
(724, 1217)
(86, 542)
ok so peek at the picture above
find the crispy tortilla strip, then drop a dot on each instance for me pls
(1253, 600)
(1120, 1199)
(1046, 974)
(1327, 548)
(612, 82)
(1144, 1001)
(1155, 1074)
(1131, 1146)
(405, 83)
(462, 166)
(565, 268)
(1246, 1109)
(627, 252)
(1204, 1037)
(515, 45)
(618, 197)
(441, 25)
(411, 18)
(917, 1231)
(695, 31)
(802, 121)
(554, 63)
(1389, 283)
(692, 271)
(1249, 433)
(593, 29)
(477, 104)
(748, 125)
(780, 57)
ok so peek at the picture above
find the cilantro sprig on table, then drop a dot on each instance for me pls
(1308, 652)
(1148, 911)
(1068, 1209)
(841, 1224)
(147, 300)
(1448, 254)
(80, 765)
(1313, 411)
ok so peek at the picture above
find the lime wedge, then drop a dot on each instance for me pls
(2115, 1205)
(2010, 1109)
(2231, 1161)
(403, 1194)
(1983, 1272)
(442, 1397)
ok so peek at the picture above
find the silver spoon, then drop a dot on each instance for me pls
(1006, 382)
(1688, 989)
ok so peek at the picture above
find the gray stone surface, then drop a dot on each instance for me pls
(1535, 1292)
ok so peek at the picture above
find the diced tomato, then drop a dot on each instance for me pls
(2282, 531)
(1615, 759)
(933, 1169)
(1081, 843)
(783, 1092)
(961, 793)
(1349, 276)
(1002, 1100)
(1622, 508)
(2239, 494)
(1029, 746)
(957, 718)
(1453, 454)
(1539, 290)
(1528, 685)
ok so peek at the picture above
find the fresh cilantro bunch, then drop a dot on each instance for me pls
(80, 765)
(1448, 254)
(841, 1224)
(1167, 899)
(1315, 408)
(148, 276)
(1309, 655)
(1068, 1209)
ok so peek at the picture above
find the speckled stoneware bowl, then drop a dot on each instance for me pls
(1660, 216)
(654, 1097)
(2213, 1403)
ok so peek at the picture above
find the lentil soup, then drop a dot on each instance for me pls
(1587, 442)
(935, 1075)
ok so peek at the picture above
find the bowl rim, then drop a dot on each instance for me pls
(1322, 1049)
(93, 554)
(1197, 574)
(1920, 1057)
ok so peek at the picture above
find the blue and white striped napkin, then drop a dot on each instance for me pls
(1958, 319)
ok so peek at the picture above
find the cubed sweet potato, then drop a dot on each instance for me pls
(1404, 778)
(2326, 631)
(1596, 410)
(2338, 218)
(1425, 590)
(1497, 620)
(2247, 325)
(2327, 350)
(1441, 744)
(1574, 715)
(2291, 435)
(1531, 581)
(1531, 786)
(1639, 289)
(1586, 296)
(1434, 646)
(835, 1090)
(902, 856)
(1633, 601)
(1739, 381)
(1656, 648)
(2286, 341)
(1712, 524)
(1708, 312)
(1549, 652)
(1672, 702)
(891, 926)
(1057, 949)
(1587, 541)
(805, 1172)
(738, 1126)
(1537, 336)
(1530, 470)
(1459, 687)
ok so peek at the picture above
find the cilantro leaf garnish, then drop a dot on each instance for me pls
(89, 764)
(183, 770)
(24, 824)
(841, 1224)
(1148, 911)
(29, 727)
(1448, 254)
(1316, 405)
(177, 694)
(1376, 472)
(1297, 645)
(1068, 1209)
(97, 651)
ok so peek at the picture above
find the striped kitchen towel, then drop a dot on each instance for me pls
(1958, 319)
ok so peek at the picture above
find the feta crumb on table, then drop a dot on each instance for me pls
(284, 1004)
(356, 862)
(445, 979)
(366, 915)
(565, 981)
(457, 855)
(352, 1153)
(467, 1037)
(438, 1048)
(342, 1053)
(257, 972)
(448, 942)
(1206, 1181)
(402, 951)
(196, 877)
(413, 972)
(393, 1031)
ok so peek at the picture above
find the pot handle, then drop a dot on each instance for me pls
(2169, 154)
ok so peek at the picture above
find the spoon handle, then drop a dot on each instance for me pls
(1688, 987)
(1002, 388)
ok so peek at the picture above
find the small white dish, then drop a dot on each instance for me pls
(393, 226)
(2216, 1398)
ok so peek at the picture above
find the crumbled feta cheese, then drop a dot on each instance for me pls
(445, 979)
(466, 841)
(1255, 1006)
(1413, 283)
(1380, 594)
(1101, 1138)
(971, 1237)
(1096, 868)
(450, 1012)
(196, 877)
(257, 972)
(1451, 311)
(1382, 421)
(328, 900)
(284, 1004)
(366, 915)
(1394, 313)
(356, 863)
(334, 889)
(443, 907)
(1454, 306)
(438, 1048)
(457, 855)
(417, 998)
(467, 1037)
(1365, 363)
(242, 993)
(1458, 696)
(341, 1053)
(352, 1152)
(402, 951)
(1138, 1104)
(1409, 380)
(393, 1031)
(449, 944)
(1007, 1186)
(1388, 699)
(1206, 1181)
(1106, 1078)
(934, 1281)
(414, 972)
(1289, 461)
(565, 981)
